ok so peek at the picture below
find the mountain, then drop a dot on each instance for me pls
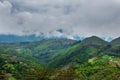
(75, 54)
(44, 51)
(15, 38)
(60, 52)
(93, 41)
(80, 52)
(116, 42)
(60, 59)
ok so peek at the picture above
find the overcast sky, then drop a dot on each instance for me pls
(60, 17)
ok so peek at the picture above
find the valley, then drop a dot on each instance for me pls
(61, 59)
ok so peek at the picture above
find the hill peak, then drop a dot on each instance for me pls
(116, 41)
(93, 40)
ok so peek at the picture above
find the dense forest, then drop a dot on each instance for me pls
(61, 59)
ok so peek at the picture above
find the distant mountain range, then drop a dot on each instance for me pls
(15, 38)
(31, 38)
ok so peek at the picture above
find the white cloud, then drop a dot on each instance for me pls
(74, 17)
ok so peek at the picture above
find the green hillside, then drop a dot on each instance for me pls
(60, 59)
(99, 68)
(94, 40)
(116, 42)
(80, 52)
(43, 51)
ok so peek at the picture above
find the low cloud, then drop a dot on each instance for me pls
(73, 17)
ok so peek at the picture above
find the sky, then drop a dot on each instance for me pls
(60, 18)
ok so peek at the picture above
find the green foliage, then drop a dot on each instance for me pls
(98, 70)
(11, 78)
(75, 54)
(66, 73)
(93, 41)
(61, 59)
(42, 51)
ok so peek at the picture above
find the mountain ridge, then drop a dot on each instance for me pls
(48, 51)
(32, 38)
(116, 41)
(84, 50)
(93, 40)
(60, 59)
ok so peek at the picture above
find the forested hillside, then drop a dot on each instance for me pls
(43, 51)
(61, 59)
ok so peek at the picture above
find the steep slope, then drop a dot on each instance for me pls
(92, 59)
(48, 49)
(96, 68)
(116, 42)
(80, 52)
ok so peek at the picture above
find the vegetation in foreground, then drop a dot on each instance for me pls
(91, 59)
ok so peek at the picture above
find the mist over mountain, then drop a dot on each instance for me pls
(60, 18)
(31, 38)
(15, 38)
(59, 39)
